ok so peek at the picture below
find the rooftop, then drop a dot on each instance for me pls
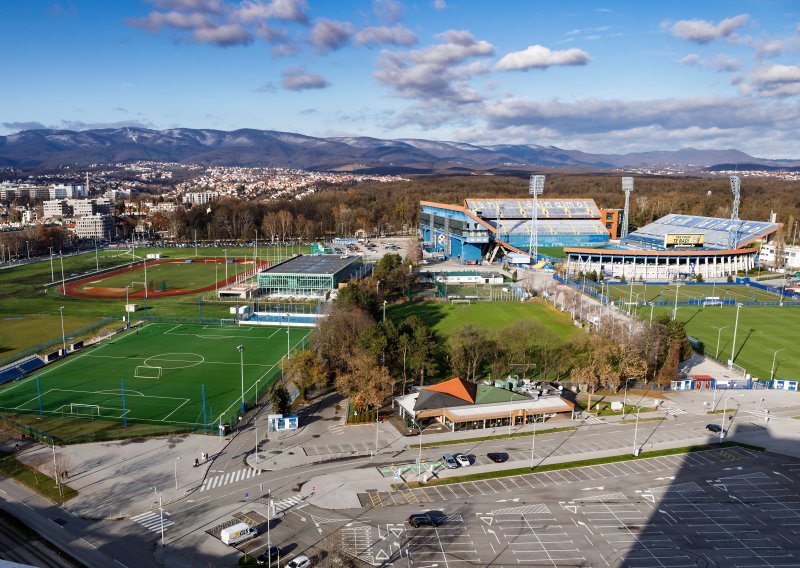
(313, 264)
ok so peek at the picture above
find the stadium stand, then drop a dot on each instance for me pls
(716, 231)
(20, 369)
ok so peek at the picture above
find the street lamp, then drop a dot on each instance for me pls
(176, 472)
(63, 337)
(241, 358)
(735, 329)
(725, 413)
(533, 441)
(28, 246)
(675, 308)
(384, 310)
(226, 265)
(774, 354)
(161, 510)
(719, 331)
(636, 433)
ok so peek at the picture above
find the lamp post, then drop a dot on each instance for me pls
(533, 441)
(735, 329)
(675, 308)
(772, 371)
(161, 511)
(724, 414)
(176, 472)
(719, 332)
(55, 466)
(226, 265)
(127, 303)
(384, 310)
(636, 433)
(28, 247)
(52, 275)
(63, 336)
(241, 359)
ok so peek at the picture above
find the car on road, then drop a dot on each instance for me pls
(449, 461)
(271, 554)
(498, 457)
(426, 519)
(462, 460)
(714, 428)
(299, 562)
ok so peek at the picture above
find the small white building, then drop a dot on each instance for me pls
(791, 256)
(464, 277)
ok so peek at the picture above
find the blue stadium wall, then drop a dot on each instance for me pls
(453, 233)
(556, 240)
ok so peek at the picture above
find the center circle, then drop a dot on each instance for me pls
(174, 360)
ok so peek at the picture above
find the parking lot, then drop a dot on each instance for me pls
(729, 507)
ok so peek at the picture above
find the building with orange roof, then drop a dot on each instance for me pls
(463, 405)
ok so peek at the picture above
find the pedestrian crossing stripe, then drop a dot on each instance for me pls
(675, 411)
(232, 477)
(287, 503)
(151, 520)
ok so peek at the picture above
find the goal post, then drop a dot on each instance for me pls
(147, 372)
(80, 409)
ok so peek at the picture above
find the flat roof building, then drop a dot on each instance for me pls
(309, 275)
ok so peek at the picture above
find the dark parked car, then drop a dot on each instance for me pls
(498, 457)
(426, 519)
(714, 427)
(270, 554)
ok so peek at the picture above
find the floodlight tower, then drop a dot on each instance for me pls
(535, 188)
(627, 187)
(736, 186)
(733, 237)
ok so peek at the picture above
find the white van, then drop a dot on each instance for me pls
(237, 533)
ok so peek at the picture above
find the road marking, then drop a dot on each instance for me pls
(225, 479)
(151, 520)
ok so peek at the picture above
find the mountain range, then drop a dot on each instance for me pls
(47, 148)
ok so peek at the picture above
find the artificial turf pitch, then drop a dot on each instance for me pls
(686, 292)
(89, 384)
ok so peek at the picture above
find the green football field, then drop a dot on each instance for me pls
(164, 368)
(178, 275)
(763, 332)
(666, 293)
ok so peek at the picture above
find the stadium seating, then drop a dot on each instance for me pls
(522, 208)
(716, 231)
(20, 370)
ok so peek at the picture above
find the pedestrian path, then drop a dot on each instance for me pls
(228, 478)
(151, 520)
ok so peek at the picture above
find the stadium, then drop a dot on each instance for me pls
(488, 229)
(674, 247)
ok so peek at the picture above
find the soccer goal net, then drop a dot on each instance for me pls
(79, 409)
(146, 372)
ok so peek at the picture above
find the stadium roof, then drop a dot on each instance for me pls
(716, 231)
(312, 264)
(523, 208)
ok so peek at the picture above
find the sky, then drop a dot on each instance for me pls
(611, 77)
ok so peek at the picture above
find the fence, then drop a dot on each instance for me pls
(40, 347)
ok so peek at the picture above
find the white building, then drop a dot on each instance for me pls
(791, 256)
(93, 226)
(63, 191)
(82, 207)
(200, 197)
(55, 209)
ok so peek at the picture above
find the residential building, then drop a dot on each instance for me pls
(791, 256)
(93, 226)
(56, 209)
(63, 191)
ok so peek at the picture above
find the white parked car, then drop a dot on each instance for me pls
(462, 460)
(299, 562)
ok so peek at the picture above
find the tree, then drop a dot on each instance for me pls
(423, 347)
(355, 295)
(279, 396)
(366, 383)
(469, 349)
(306, 371)
(336, 336)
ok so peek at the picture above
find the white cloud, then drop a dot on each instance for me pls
(437, 71)
(384, 35)
(703, 31)
(286, 10)
(442, 5)
(388, 10)
(226, 35)
(719, 63)
(298, 79)
(330, 35)
(540, 57)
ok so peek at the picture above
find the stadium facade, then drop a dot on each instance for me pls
(309, 276)
(480, 228)
(677, 246)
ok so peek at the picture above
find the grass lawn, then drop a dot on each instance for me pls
(660, 293)
(445, 318)
(762, 330)
(174, 275)
(18, 332)
(555, 252)
(178, 359)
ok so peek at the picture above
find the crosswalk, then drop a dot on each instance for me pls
(231, 477)
(151, 520)
(286, 504)
(592, 420)
(675, 411)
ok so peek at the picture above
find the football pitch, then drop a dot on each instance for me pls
(641, 293)
(156, 374)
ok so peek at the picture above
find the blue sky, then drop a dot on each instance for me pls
(597, 76)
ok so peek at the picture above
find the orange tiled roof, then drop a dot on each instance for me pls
(456, 387)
